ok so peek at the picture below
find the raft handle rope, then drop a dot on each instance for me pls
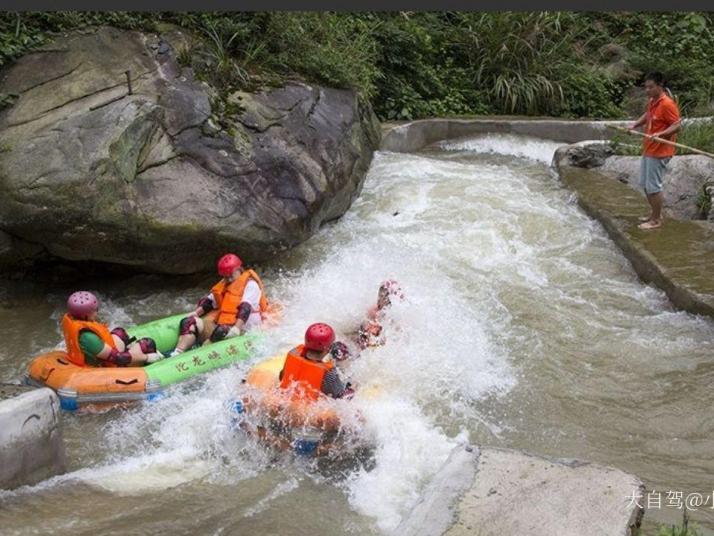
(130, 382)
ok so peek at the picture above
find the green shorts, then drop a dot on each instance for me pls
(651, 172)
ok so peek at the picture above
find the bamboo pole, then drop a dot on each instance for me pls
(661, 140)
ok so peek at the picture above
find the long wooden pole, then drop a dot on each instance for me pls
(661, 140)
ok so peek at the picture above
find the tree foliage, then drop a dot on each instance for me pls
(412, 65)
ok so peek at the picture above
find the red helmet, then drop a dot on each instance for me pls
(228, 263)
(319, 337)
(81, 304)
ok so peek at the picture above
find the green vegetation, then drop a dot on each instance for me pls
(412, 65)
(704, 200)
(678, 531)
(699, 134)
(681, 530)
(674, 530)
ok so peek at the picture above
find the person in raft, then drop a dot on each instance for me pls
(310, 369)
(661, 119)
(235, 304)
(371, 332)
(90, 343)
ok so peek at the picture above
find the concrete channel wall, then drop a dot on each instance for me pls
(31, 445)
(415, 135)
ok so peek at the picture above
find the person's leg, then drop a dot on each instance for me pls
(119, 343)
(644, 168)
(656, 202)
(653, 188)
(121, 338)
(189, 328)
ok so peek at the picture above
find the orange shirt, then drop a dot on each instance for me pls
(662, 113)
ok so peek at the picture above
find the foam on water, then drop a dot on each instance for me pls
(492, 284)
(437, 342)
(537, 149)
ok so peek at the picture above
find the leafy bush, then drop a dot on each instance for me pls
(699, 135)
(412, 65)
(23, 31)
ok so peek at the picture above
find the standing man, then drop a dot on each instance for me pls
(661, 120)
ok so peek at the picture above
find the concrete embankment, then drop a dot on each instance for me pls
(677, 257)
(497, 492)
(31, 445)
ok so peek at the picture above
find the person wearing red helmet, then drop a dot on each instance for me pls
(90, 343)
(309, 369)
(235, 304)
(371, 330)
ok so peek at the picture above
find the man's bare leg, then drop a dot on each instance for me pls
(656, 202)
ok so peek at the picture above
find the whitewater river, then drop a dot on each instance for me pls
(524, 327)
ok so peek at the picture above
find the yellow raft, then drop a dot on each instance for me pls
(307, 427)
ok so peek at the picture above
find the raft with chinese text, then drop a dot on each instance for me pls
(79, 386)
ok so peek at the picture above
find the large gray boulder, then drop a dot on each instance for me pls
(684, 182)
(589, 154)
(157, 179)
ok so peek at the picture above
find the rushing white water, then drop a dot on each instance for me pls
(536, 149)
(522, 326)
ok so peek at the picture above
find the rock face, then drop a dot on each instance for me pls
(149, 179)
(496, 492)
(588, 154)
(31, 443)
(684, 181)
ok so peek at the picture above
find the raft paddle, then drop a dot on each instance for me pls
(661, 140)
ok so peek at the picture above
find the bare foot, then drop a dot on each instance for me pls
(648, 225)
(644, 218)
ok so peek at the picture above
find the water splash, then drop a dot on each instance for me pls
(537, 149)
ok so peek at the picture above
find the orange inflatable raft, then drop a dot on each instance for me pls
(287, 422)
(80, 386)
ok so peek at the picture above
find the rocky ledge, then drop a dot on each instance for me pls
(495, 492)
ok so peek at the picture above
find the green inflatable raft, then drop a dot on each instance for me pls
(81, 386)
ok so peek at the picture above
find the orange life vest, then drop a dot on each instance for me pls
(306, 374)
(72, 329)
(229, 296)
